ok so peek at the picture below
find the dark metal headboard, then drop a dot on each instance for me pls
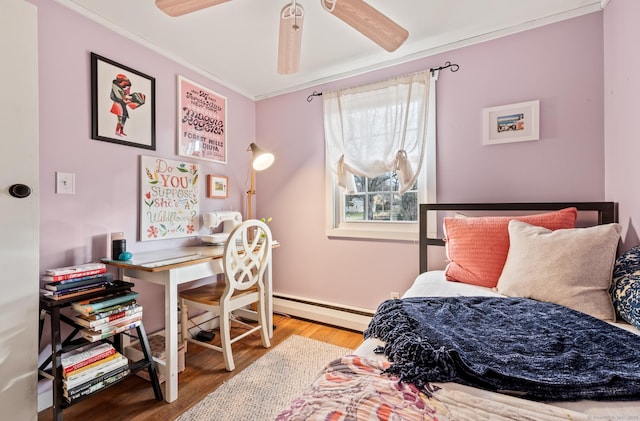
(607, 213)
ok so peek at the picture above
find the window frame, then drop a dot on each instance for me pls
(398, 231)
(380, 230)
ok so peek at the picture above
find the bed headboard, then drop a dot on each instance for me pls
(607, 212)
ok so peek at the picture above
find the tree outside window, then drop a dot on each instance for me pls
(377, 199)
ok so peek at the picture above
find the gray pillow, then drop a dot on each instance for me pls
(570, 267)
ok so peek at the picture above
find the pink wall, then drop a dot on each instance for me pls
(560, 64)
(622, 108)
(72, 228)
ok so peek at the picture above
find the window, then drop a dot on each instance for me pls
(378, 199)
(377, 210)
(380, 157)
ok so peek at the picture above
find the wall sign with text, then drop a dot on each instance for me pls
(169, 206)
(202, 122)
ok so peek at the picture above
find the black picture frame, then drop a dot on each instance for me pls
(123, 104)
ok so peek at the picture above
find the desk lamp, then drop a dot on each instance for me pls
(260, 160)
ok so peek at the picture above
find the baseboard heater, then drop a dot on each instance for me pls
(333, 314)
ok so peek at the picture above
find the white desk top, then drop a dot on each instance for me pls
(168, 258)
(158, 260)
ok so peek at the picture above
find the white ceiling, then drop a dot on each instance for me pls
(235, 43)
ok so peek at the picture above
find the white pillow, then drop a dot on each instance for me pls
(571, 267)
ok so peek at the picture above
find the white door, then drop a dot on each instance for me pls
(19, 261)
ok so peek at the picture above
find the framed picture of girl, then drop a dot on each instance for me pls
(122, 104)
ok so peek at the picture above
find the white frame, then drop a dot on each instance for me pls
(400, 231)
(530, 130)
(169, 199)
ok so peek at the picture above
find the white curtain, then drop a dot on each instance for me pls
(378, 128)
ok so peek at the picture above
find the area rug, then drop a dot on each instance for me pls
(267, 386)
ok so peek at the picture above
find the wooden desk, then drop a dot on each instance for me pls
(172, 268)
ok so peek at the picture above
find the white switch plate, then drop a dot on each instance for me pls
(65, 183)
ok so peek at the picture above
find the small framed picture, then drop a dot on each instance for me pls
(511, 123)
(217, 186)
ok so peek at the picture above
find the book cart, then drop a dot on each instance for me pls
(71, 342)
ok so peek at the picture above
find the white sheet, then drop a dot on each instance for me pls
(434, 284)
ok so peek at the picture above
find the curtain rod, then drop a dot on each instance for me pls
(454, 67)
(447, 65)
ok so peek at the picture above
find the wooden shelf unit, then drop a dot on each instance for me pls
(71, 342)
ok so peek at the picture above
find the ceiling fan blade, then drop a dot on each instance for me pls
(182, 7)
(290, 40)
(368, 21)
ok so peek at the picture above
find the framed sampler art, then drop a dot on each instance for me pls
(217, 186)
(512, 123)
(169, 201)
(123, 104)
(202, 122)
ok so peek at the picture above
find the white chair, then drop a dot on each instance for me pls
(247, 253)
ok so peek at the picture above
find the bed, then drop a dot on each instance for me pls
(544, 327)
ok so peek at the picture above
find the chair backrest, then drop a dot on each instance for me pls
(247, 253)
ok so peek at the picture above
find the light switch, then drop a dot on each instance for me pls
(65, 183)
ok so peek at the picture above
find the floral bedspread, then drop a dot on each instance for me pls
(356, 388)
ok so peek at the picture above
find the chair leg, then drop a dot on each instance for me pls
(264, 331)
(225, 339)
(184, 321)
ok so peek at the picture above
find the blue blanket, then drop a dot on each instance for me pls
(531, 349)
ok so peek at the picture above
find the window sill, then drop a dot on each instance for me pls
(372, 234)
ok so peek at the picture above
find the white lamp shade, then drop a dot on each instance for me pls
(261, 159)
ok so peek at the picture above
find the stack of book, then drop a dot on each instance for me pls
(107, 315)
(91, 368)
(73, 281)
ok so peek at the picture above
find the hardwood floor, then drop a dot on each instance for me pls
(132, 399)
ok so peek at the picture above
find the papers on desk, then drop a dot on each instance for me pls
(158, 258)
(171, 261)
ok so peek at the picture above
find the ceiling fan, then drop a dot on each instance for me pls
(355, 13)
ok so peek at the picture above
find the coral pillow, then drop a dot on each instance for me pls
(477, 247)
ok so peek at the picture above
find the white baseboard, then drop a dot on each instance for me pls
(334, 314)
(45, 399)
